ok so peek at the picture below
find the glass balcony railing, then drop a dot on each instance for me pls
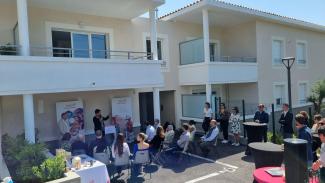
(192, 52)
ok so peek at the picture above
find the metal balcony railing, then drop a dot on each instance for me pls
(76, 53)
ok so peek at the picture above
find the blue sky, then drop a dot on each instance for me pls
(307, 10)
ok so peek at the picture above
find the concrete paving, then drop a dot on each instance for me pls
(228, 164)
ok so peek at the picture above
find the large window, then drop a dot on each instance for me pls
(159, 49)
(78, 44)
(214, 52)
(302, 92)
(277, 51)
(301, 53)
(279, 93)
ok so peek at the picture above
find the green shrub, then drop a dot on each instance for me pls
(50, 169)
(278, 138)
(20, 157)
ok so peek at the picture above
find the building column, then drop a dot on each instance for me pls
(29, 121)
(23, 31)
(208, 91)
(206, 36)
(153, 33)
(156, 103)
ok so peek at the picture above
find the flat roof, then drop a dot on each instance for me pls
(226, 9)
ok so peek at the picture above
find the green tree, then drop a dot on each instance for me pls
(317, 95)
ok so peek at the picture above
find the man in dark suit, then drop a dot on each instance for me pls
(262, 117)
(98, 120)
(286, 122)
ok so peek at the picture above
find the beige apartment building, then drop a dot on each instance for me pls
(101, 50)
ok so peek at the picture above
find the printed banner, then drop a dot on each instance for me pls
(122, 112)
(70, 117)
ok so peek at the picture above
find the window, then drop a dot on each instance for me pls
(159, 49)
(78, 44)
(61, 43)
(301, 53)
(279, 95)
(302, 90)
(277, 51)
(214, 52)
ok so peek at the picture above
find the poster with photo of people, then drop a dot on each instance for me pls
(122, 113)
(70, 117)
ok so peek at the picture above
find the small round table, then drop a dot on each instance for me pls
(266, 154)
(261, 176)
(254, 133)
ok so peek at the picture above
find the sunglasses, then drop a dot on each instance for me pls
(321, 124)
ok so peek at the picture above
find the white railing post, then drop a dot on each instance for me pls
(206, 36)
(153, 33)
(23, 30)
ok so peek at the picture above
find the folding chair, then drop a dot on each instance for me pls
(122, 162)
(102, 156)
(141, 158)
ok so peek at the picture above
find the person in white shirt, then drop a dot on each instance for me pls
(207, 112)
(184, 138)
(209, 139)
(320, 163)
(169, 135)
(120, 151)
(150, 131)
(63, 124)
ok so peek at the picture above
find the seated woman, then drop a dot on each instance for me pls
(120, 153)
(141, 145)
(158, 139)
(316, 125)
(65, 142)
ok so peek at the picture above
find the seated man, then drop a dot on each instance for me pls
(99, 142)
(184, 138)
(79, 146)
(210, 138)
(169, 135)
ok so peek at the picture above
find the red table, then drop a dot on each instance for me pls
(261, 176)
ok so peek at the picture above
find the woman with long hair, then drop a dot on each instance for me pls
(156, 142)
(120, 150)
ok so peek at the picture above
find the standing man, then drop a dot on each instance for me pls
(286, 122)
(262, 117)
(98, 120)
(223, 118)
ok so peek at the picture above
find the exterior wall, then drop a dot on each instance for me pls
(47, 123)
(268, 74)
(239, 40)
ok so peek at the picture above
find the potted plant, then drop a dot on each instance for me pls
(8, 49)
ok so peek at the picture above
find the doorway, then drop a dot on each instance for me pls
(146, 108)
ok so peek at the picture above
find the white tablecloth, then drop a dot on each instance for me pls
(94, 174)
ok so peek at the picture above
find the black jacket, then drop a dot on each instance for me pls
(262, 117)
(286, 122)
(99, 122)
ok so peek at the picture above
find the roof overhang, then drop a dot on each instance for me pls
(227, 14)
(123, 9)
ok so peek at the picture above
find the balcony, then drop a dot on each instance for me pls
(220, 70)
(59, 70)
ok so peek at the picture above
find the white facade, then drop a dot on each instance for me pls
(206, 51)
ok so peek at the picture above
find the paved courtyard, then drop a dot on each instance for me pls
(229, 164)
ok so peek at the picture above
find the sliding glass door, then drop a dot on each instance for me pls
(79, 44)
